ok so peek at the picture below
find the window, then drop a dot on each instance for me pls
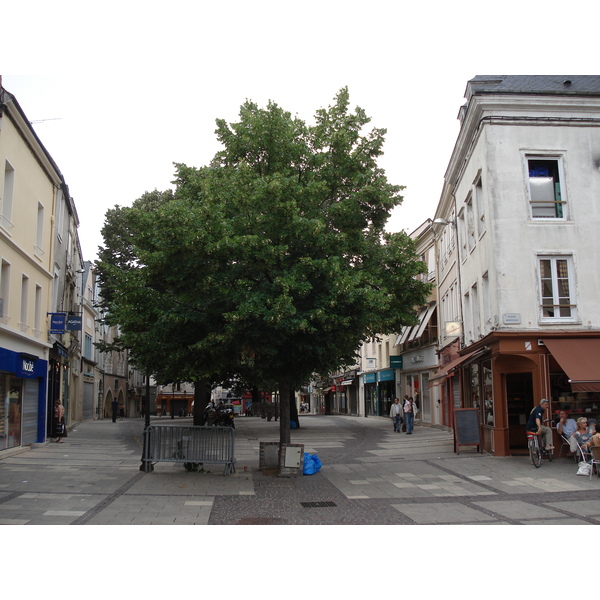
(479, 206)
(4, 291)
(39, 237)
(462, 233)
(37, 314)
(470, 223)
(555, 288)
(87, 349)
(475, 318)
(7, 196)
(545, 188)
(24, 303)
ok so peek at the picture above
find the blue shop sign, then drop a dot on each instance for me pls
(27, 367)
(58, 323)
(386, 375)
(370, 377)
(22, 364)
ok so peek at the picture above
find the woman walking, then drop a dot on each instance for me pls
(409, 414)
(60, 428)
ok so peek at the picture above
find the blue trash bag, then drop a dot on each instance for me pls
(312, 464)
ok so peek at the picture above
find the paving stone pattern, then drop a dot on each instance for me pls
(370, 476)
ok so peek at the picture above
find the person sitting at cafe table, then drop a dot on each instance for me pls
(595, 431)
(582, 435)
(566, 427)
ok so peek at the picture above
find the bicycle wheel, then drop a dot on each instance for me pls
(535, 454)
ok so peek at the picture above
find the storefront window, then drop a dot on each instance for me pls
(480, 393)
(386, 394)
(11, 398)
(370, 399)
(576, 404)
(474, 397)
(487, 392)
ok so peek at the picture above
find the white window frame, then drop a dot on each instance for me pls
(558, 202)
(479, 204)
(6, 201)
(39, 235)
(470, 223)
(556, 298)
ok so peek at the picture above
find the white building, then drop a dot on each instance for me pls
(521, 195)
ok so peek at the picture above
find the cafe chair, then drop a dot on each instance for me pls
(595, 450)
(582, 454)
(565, 442)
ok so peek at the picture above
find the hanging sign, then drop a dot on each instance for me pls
(74, 323)
(58, 323)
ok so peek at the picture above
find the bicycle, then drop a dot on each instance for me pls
(536, 451)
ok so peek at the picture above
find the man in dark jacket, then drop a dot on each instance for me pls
(535, 423)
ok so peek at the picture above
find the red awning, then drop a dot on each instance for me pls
(451, 365)
(579, 359)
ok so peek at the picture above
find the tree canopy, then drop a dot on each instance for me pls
(272, 261)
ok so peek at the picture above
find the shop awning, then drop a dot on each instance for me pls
(451, 365)
(415, 329)
(579, 359)
(425, 320)
(403, 335)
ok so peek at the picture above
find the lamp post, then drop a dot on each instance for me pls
(173, 402)
(146, 466)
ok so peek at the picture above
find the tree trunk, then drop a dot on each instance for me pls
(284, 423)
(294, 409)
(256, 401)
(201, 399)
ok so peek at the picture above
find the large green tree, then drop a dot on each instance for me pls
(273, 259)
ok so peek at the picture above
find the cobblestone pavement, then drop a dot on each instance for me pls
(370, 476)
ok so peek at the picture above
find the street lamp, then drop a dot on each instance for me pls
(146, 466)
(444, 222)
(173, 402)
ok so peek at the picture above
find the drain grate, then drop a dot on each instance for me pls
(327, 504)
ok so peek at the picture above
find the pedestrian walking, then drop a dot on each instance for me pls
(115, 410)
(60, 427)
(409, 414)
(396, 415)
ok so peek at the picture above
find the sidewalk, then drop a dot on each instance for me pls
(370, 475)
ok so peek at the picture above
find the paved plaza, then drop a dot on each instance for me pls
(370, 476)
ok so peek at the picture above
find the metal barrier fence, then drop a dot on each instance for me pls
(190, 445)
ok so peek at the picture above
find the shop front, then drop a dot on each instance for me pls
(370, 391)
(418, 366)
(386, 391)
(507, 374)
(174, 404)
(22, 399)
(379, 392)
(346, 400)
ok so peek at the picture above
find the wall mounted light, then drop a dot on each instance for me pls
(440, 221)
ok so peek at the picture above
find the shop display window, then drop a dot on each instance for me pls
(576, 404)
(480, 393)
(11, 398)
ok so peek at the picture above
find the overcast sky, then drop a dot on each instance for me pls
(125, 89)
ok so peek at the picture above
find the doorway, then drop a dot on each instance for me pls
(519, 403)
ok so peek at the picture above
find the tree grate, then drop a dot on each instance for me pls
(327, 504)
